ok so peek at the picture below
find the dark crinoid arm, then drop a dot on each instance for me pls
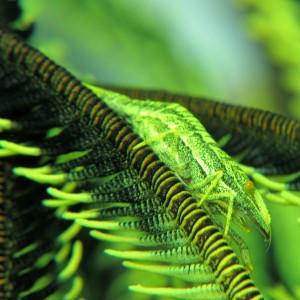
(76, 163)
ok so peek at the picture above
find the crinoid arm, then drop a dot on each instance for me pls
(79, 167)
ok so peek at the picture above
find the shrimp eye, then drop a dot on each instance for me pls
(249, 185)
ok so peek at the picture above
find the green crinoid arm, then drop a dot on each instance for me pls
(20, 149)
(191, 273)
(202, 292)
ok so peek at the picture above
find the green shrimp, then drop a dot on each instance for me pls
(184, 145)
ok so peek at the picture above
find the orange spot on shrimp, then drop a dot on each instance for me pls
(249, 185)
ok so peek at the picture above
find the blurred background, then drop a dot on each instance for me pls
(243, 52)
(198, 47)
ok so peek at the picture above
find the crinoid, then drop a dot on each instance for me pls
(59, 138)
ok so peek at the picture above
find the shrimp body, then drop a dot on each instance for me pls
(185, 146)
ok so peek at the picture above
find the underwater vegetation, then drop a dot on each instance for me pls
(178, 188)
